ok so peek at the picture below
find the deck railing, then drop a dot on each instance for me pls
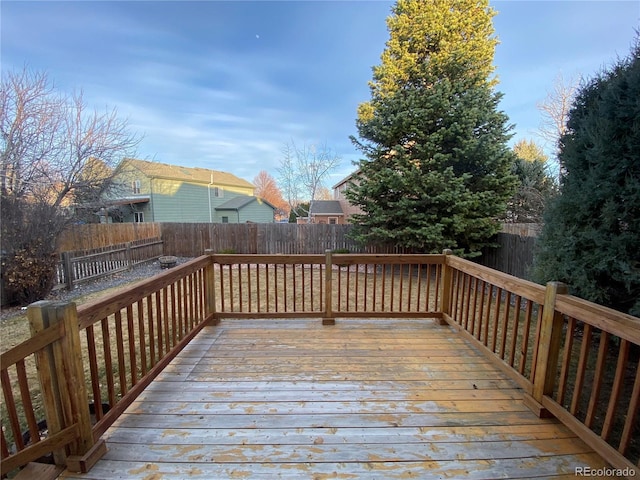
(92, 362)
(575, 360)
(297, 285)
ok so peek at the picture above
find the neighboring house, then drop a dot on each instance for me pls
(337, 211)
(327, 211)
(338, 194)
(246, 209)
(158, 192)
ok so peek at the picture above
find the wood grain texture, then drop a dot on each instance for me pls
(360, 399)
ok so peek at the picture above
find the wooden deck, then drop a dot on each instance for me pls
(361, 399)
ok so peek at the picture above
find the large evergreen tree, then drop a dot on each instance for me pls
(437, 167)
(591, 236)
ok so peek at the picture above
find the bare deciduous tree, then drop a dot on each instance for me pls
(30, 118)
(555, 110)
(303, 171)
(324, 193)
(54, 147)
(55, 153)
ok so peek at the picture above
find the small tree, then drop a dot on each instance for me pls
(55, 153)
(303, 171)
(591, 235)
(535, 185)
(267, 189)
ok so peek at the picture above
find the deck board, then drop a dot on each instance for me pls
(361, 399)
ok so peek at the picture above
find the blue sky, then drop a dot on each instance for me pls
(224, 85)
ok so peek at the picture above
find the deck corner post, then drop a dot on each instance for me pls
(210, 299)
(445, 286)
(548, 346)
(61, 376)
(74, 391)
(328, 318)
(40, 316)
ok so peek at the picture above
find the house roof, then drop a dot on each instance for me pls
(326, 207)
(188, 174)
(347, 179)
(237, 203)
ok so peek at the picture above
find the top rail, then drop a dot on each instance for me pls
(339, 258)
(92, 312)
(606, 319)
(506, 282)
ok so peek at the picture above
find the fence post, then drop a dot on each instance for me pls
(548, 349)
(328, 318)
(445, 286)
(210, 294)
(62, 382)
(67, 269)
(128, 256)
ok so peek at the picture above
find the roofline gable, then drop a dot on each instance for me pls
(184, 171)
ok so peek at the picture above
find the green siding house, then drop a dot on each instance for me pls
(158, 192)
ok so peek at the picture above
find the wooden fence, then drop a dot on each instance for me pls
(575, 360)
(93, 236)
(513, 256)
(78, 267)
(192, 239)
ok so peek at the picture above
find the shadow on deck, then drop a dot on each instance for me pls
(361, 399)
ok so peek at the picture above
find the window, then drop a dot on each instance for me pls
(138, 217)
(218, 192)
(135, 186)
(333, 220)
(225, 219)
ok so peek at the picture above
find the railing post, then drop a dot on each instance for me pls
(210, 294)
(39, 315)
(328, 318)
(61, 375)
(445, 286)
(548, 349)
